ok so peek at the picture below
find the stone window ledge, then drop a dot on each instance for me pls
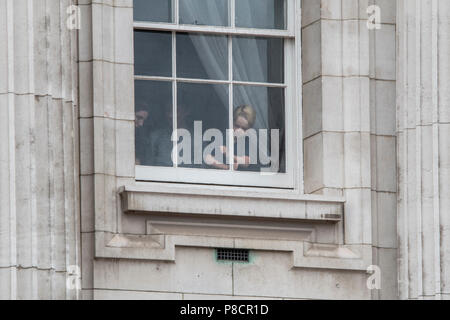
(230, 201)
(203, 216)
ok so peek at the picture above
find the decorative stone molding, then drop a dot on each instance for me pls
(111, 164)
(306, 255)
(122, 224)
(155, 197)
(213, 212)
(179, 216)
(323, 239)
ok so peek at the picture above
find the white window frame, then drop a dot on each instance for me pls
(293, 178)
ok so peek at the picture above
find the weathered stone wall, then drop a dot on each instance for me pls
(349, 121)
(39, 200)
(350, 139)
(348, 153)
(383, 140)
(423, 129)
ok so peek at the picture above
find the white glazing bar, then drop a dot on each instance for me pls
(260, 84)
(154, 78)
(289, 15)
(296, 132)
(176, 11)
(289, 107)
(213, 29)
(230, 145)
(233, 13)
(203, 81)
(174, 97)
(213, 176)
(190, 80)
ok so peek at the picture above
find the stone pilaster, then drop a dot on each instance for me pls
(383, 147)
(423, 129)
(39, 178)
(336, 109)
(348, 121)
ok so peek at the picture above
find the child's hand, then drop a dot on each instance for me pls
(243, 161)
(211, 161)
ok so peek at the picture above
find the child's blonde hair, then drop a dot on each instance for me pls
(247, 112)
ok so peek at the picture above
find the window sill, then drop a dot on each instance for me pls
(230, 201)
(233, 217)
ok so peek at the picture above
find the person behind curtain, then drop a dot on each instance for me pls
(141, 134)
(160, 154)
(244, 118)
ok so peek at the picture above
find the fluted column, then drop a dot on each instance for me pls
(39, 200)
(423, 128)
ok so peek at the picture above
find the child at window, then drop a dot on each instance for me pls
(243, 120)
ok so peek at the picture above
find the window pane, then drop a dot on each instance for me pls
(153, 123)
(202, 56)
(203, 107)
(152, 53)
(259, 125)
(153, 10)
(258, 59)
(204, 12)
(265, 14)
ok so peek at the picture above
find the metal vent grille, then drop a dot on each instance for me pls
(235, 255)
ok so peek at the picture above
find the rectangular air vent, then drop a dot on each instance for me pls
(233, 255)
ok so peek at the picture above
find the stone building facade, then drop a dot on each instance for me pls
(366, 214)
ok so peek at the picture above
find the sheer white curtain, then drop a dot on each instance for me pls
(251, 70)
(204, 12)
(209, 51)
(251, 58)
